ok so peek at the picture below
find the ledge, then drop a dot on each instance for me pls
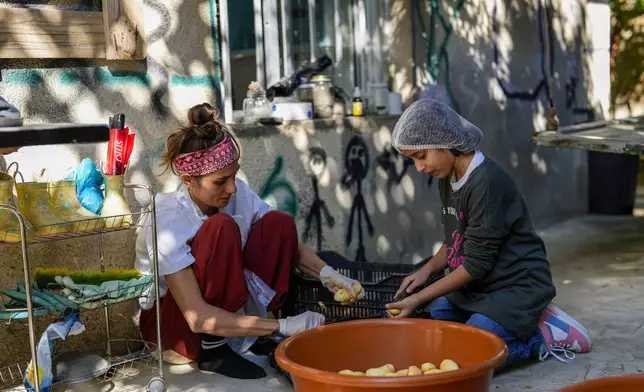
(366, 124)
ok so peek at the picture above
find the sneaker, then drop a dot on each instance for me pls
(564, 336)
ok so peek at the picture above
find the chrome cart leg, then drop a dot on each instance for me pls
(30, 316)
(157, 384)
(155, 263)
(105, 309)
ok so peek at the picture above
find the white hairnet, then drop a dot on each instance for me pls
(429, 124)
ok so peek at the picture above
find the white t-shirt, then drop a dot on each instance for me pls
(476, 161)
(178, 220)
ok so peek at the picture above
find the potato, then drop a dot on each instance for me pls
(394, 312)
(381, 371)
(394, 375)
(427, 366)
(403, 372)
(350, 373)
(432, 371)
(414, 371)
(344, 296)
(448, 365)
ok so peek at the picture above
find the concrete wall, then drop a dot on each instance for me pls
(401, 204)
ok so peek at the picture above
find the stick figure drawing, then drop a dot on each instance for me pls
(356, 164)
(317, 165)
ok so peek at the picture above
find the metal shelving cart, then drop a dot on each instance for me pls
(136, 355)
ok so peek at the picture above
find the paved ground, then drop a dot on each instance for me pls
(598, 266)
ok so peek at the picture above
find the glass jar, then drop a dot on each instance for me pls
(256, 106)
(263, 107)
(249, 106)
(323, 97)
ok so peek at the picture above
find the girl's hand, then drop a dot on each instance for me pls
(407, 306)
(411, 282)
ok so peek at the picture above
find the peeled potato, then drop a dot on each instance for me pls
(448, 365)
(381, 371)
(433, 371)
(414, 371)
(427, 366)
(394, 375)
(403, 372)
(343, 295)
(350, 373)
(394, 311)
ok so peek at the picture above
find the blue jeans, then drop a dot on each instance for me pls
(518, 350)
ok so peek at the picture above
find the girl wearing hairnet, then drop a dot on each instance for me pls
(499, 277)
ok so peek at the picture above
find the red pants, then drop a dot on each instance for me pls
(271, 253)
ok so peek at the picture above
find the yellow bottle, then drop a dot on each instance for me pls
(357, 107)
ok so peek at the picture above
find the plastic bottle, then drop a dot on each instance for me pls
(357, 108)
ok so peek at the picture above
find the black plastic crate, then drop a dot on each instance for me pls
(379, 282)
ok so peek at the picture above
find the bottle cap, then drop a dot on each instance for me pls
(356, 92)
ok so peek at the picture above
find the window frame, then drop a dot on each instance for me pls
(363, 23)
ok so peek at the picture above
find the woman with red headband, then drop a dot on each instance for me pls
(221, 249)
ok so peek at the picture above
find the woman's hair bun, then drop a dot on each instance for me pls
(202, 114)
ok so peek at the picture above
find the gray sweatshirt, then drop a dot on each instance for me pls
(489, 232)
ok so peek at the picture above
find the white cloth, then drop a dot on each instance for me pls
(178, 220)
(476, 161)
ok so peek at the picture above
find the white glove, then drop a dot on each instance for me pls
(296, 324)
(334, 281)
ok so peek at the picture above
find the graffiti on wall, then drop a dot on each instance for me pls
(278, 191)
(546, 36)
(547, 59)
(356, 166)
(318, 209)
(437, 56)
(387, 161)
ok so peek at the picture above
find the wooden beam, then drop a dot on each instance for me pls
(51, 33)
(124, 33)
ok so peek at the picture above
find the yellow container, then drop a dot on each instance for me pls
(116, 212)
(65, 205)
(33, 203)
(9, 224)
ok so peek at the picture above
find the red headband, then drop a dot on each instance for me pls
(202, 162)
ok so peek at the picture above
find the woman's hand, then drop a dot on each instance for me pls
(334, 281)
(411, 282)
(293, 325)
(406, 307)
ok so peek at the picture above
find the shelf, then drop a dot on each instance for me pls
(108, 298)
(77, 228)
(47, 134)
(139, 356)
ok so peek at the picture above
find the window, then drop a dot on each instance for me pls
(259, 30)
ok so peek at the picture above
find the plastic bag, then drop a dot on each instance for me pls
(59, 330)
(88, 186)
(260, 296)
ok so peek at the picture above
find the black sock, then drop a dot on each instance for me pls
(263, 346)
(216, 356)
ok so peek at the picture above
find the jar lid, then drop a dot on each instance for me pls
(320, 78)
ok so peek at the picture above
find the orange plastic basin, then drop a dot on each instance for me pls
(314, 357)
(629, 383)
